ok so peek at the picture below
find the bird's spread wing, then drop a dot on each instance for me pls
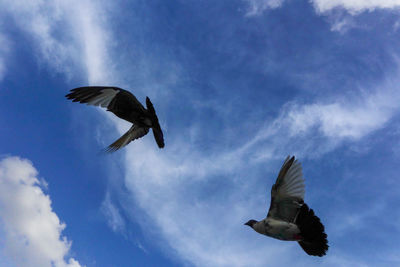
(116, 100)
(133, 133)
(287, 193)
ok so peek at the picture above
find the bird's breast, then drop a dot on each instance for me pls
(280, 230)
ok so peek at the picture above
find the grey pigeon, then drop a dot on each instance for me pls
(289, 218)
(124, 105)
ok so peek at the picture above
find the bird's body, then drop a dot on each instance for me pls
(289, 218)
(125, 106)
(278, 229)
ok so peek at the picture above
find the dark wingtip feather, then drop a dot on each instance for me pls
(83, 94)
(109, 149)
(106, 150)
(314, 241)
(69, 96)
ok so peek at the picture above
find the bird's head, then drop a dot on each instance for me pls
(251, 223)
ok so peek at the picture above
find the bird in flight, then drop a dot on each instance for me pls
(125, 106)
(289, 218)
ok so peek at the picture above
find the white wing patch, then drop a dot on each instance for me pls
(292, 184)
(104, 98)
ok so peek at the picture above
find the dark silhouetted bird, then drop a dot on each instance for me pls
(125, 105)
(289, 218)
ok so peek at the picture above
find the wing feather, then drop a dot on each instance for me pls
(94, 95)
(119, 101)
(103, 96)
(287, 193)
(133, 133)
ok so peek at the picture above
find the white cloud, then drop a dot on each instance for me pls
(66, 34)
(69, 36)
(32, 231)
(90, 28)
(343, 120)
(257, 7)
(354, 6)
(40, 19)
(320, 127)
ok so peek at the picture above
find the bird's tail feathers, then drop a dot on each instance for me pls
(158, 134)
(150, 106)
(314, 241)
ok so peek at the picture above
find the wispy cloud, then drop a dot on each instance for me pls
(91, 29)
(175, 186)
(342, 22)
(112, 214)
(32, 229)
(342, 14)
(256, 7)
(66, 35)
(354, 6)
(346, 117)
(179, 188)
(343, 118)
(4, 50)
(40, 20)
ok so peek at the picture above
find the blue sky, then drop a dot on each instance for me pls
(237, 85)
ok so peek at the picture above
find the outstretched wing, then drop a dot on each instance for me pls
(133, 133)
(119, 101)
(287, 193)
